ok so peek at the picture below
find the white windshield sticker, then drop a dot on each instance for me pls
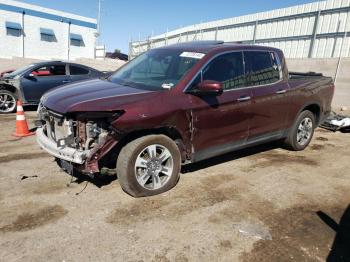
(192, 55)
(167, 86)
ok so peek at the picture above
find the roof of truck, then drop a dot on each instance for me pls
(207, 46)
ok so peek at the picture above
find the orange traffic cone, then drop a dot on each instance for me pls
(21, 122)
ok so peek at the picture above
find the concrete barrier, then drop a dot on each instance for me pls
(326, 66)
(103, 65)
(15, 63)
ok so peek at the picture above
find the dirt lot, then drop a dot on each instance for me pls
(262, 204)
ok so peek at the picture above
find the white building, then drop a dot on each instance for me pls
(32, 31)
(315, 30)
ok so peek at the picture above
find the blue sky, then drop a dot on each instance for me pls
(122, 19)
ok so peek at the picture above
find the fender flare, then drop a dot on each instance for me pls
(308, 104)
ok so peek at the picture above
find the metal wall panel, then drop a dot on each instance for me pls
(311, 30)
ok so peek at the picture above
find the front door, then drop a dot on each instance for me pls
(221, 123)
(42, 80)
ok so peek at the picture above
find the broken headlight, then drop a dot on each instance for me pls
(94, 127)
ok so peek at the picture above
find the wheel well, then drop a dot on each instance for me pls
(9, 88)
(109, 160)
(316, 110)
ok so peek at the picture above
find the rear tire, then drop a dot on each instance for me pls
(149, 165)
(302, 131)
(8, 102)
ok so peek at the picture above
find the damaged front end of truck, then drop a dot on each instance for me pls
(77, 140)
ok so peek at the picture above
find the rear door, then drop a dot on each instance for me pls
(42, 79)
(221, 122)
(270, 93)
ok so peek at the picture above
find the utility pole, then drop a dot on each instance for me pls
(23, 35)
(97, 34)
(99, 18)
(130, 49)
(341, 50)
(68, 49)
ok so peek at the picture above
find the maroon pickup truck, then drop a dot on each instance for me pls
(180, 104)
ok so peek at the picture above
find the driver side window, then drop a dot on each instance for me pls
(227, 69)
(53, 70)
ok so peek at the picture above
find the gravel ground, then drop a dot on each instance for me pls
(261, 204)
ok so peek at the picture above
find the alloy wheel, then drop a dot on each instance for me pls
(154, 167)
(7, 102)
(304, 131)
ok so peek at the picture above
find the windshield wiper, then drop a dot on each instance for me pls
(125, 83)
(132, 84)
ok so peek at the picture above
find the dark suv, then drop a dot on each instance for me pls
(29, 83)
(180, 104)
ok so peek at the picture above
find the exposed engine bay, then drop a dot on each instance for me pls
(75, 138)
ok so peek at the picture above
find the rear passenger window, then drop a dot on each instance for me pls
(227, 69)
(262, 68)
(76, 70)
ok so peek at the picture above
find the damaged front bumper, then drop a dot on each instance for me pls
(80, 140)
(62, 152)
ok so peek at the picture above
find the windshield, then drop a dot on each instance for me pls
(157, 69)
(19, 71)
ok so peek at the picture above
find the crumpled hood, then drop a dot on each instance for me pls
(92, 95)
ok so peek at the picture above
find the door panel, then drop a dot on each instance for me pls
(269, 109)
(221, 121)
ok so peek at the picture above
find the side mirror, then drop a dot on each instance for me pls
(208, 88)
(30, 76)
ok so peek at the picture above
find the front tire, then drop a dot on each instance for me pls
(8, 102)
(149, 165)
(302, 131)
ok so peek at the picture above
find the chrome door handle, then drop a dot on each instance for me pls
(244, 98)
(66, 81)
(283, 91)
